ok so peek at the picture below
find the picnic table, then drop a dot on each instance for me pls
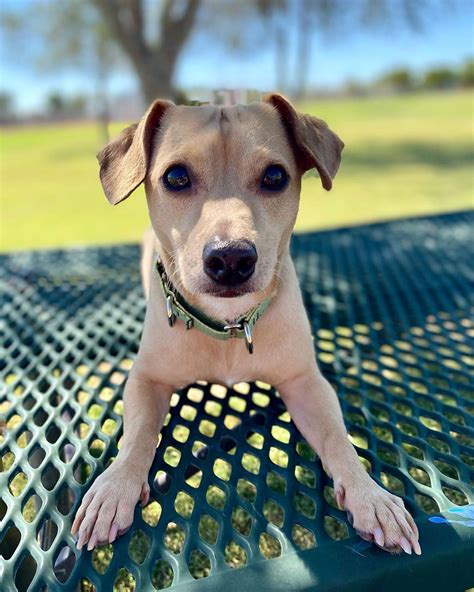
(239, 501)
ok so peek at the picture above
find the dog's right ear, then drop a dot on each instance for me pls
(314, 144)
(124, 161)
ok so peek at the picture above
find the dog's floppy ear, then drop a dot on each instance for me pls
(124, 161)
(315, 145)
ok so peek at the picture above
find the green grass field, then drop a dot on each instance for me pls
(405, 155)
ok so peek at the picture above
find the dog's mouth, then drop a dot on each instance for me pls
(227, 291)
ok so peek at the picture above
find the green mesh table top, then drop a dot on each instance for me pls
(239, 502)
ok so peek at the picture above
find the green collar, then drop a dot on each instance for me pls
(178, 308)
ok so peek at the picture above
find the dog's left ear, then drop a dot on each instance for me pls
(314, 144)
(124, 161)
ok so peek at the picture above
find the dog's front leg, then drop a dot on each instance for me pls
(107, 508)
(377, 514)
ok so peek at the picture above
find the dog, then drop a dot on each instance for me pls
(223, 301)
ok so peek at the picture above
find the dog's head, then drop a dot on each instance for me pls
(222, 186)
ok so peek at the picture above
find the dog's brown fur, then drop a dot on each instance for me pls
(226, 150)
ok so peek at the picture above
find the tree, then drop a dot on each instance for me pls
(466, 76)
(440, 78)
(6, 107)
(400, 80)
(153, 61)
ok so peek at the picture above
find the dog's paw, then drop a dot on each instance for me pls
(379, 516)
(107, 508)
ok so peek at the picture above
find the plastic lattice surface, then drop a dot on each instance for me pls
(233, 483)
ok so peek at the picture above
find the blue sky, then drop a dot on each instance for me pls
(362, 55)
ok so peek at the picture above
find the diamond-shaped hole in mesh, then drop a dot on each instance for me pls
(305, 451)
(392, 483)
(188, 413)
(276, 482)
(109, 427)
(213, 408)
(304, 504)
(97, 447)
(280, 434)
(455, 495)
(215, 497)
(426, 503)
(66, 500)
(329, 496)
(151, 513)
(335, 528)
(174, 538)
(24, 438)
(208, 529)
(82, 471)
(269, 546)
(46, 534)
(40, 417)
(101, 558)
(419, 475)
(241, 521)
(278, 457)
(64, 563)
(199, 564)
(10, 542)
(303, 537)
(162, 482)
(36, 457)
(181, 433)
(446, 468)
(193, 476)
(232, 422)
(52, 433)
(172, 456)
(18, 483)
(85, 585)
(305, 476)
(31, 507)
(273, 512)
(222, 469)
(207, 428)
(260, 399)
(25, 573)
(49, 477)
(184, 504)
(246, 490)
(251, 463)
(162, 575)
(29, 402)
(139, 546)
(228, 445)
(200, 450)
(234, 555)
(255, 440)
(237, 404)
(124, 580)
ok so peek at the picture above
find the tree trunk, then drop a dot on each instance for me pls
(304, 47)
(154, 64)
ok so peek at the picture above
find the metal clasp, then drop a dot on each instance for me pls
(233, 329)
(169, 310)
(243, 325)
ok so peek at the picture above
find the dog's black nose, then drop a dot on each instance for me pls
(229, 262)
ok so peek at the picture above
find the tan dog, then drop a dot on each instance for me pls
(222, 186)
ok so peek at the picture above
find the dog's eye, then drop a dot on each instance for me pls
(176, 178)
(275, 178)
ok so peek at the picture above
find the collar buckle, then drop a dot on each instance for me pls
(233, 328)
